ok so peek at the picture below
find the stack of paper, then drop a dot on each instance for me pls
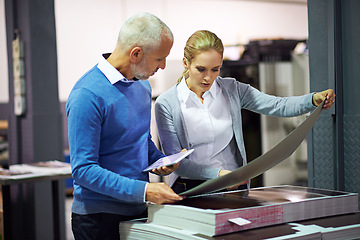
(45, 167)
(346, 233)
(240, 210)
(148, 231)
(325, 233)
(133, 230)
(35, 170)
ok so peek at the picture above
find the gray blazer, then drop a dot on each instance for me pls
(173, 134)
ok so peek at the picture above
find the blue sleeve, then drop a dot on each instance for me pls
(154, 153)
(85, 117)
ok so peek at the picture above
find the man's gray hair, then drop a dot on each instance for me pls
(143, 30)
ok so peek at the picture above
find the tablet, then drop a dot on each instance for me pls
(169, 160)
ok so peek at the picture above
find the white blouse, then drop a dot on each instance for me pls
(209, 127)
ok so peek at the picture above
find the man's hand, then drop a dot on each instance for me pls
(160, 193)
(329, 95)
(224, 172)
(167, 170)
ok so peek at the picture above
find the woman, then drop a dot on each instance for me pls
(203, 112)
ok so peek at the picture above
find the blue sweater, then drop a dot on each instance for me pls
(110, 144)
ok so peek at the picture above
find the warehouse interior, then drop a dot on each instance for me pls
(281, 47)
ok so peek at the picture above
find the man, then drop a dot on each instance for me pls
(109, 132)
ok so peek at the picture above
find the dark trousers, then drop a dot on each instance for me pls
(183, 184)
(99, 226)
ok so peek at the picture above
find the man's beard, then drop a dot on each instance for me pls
(140, 72)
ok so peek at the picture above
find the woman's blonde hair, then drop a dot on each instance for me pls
(201, 41)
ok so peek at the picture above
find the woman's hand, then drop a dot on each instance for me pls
(329, 95)
(224, 172)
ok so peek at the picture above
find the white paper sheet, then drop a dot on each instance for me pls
(169, 160)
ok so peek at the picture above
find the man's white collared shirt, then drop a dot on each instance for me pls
(111, 73)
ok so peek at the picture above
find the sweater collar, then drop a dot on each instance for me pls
(111, 73)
